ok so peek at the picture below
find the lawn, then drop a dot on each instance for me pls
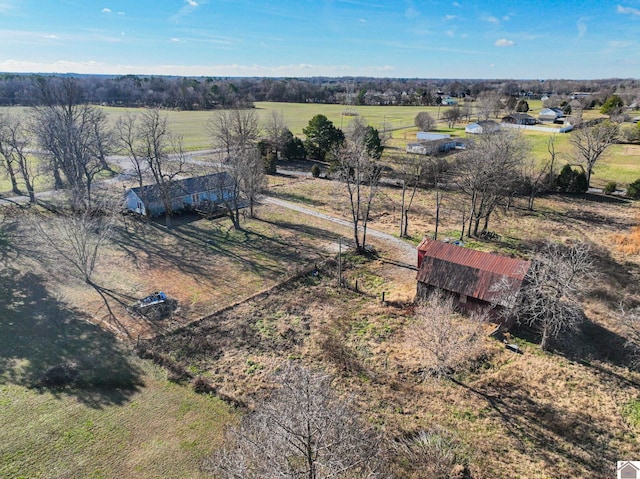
(112, 421)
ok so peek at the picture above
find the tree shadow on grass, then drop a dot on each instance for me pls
(547, 430)
(46, 346)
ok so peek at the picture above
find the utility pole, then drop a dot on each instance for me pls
(340, 262)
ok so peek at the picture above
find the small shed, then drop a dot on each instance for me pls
(185, 194)
(478, 280)
(433, 146)
(550, 114)
(482, 127)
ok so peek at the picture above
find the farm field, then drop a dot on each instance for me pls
(501, 414)
(620, 164)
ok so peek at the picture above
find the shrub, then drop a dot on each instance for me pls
(270, 167)
(610, 188)
(571, 181)
(315, 171)
(633, 191)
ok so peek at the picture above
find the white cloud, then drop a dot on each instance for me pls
(411, 13)
(450, 33)
(627, 10)
(51, 37)
(503, 42)
(192, 3)
(106, 10)
(456, 4)
(450, 17)
(362, 20)
(582, 27)
(491, 19)
(619, 44)
(120, 13)
(176, 40)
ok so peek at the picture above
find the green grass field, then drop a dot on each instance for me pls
(621, 163)
(113, 422)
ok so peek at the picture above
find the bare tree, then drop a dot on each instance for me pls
(417, 170)
(590, 143)
(360, 173)
(78, 238)
(486, 173)
(302, 431)
(10, 163)
(13, 147)
(276, 131)
(467, 110)
(452, 115)
(424, 121)
(488, 103)
(549, 299)
(75, 136)
(535, 177)
(236, 133)
(253, 179)
(128, 137)
(152, 148)
(233, 130)
(444, 339)
(412, 171)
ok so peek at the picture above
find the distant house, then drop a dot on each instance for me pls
(185, 194)
(550, 114)
(481, 127)
(448, 101)
(478, 280)
(519, 119)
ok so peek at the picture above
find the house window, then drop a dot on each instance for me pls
(463, 298)
(194, 199)
(139, 206)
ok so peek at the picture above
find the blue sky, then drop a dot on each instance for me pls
(404, 38)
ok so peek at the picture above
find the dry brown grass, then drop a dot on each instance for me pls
(534, 415)
(628, 242)
(531, 415)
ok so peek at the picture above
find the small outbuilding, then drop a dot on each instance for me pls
(519, 119)
(433, 147)
(482, 127)
(477, 280)
(550, 114)
(184, 194)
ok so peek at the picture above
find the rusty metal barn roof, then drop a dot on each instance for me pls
(473, 273)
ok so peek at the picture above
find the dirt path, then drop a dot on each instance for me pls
(399, 249)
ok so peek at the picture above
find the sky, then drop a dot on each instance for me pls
(511, 39)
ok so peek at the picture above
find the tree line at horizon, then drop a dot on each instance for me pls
(206, 93)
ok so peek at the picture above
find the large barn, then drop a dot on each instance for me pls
(477, 280)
